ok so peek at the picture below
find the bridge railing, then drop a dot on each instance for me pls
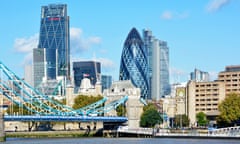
(228, 131)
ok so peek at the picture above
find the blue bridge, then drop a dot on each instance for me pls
(65, 118)
(44, 108)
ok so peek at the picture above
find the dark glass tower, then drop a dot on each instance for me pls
(86, 69)
(54, 35)
(133, 65)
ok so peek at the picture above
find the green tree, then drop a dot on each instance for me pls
(229, 110)
(150, 116)
(121, 110)
(181, 121)
(149, 106)
(16, 109)
(201, 119)
(83, 100)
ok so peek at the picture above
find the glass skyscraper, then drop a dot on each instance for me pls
(106, 81)
(54, 35)
(133, 64)
(158, 65)
(199, 76)
(86, 69)
(164, 68)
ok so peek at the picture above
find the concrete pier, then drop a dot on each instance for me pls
(2, 133)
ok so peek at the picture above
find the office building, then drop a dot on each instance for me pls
(106, 81)
(231, 78)
(133, 64)
(86, 69)
(28, 74)
(164, 69)
(148, 39)
(203, 97)
(199, 76)
(158, 66)
(54, 38)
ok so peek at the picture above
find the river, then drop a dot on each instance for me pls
(118, 141)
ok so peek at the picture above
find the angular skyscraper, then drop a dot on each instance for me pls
(133, 65)
(54, 35)
(164, 68)
(158, 65)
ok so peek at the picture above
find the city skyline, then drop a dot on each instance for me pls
(202, 34)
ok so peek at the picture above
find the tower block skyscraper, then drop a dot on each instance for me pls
(54, 38)
(133, 64)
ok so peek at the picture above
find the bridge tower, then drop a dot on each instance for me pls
(2, 133)
(69, 95)
(134, 107)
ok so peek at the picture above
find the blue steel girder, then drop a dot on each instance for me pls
(64, 118)
(33, 106)
(11, 94)
(47, 104)
(86, 109)
(108, 107)
(44, 105)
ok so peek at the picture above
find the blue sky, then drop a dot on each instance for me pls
(201, 34)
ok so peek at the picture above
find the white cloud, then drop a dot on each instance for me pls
(79, 43)
(28, 58)
(25, 45)
(169, 15)
(178, 75)
(215, 5)
(106, 63)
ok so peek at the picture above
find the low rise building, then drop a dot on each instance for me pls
(203, 97)
(231, 78)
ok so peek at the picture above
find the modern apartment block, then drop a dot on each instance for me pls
(231, 78)
(203, 97)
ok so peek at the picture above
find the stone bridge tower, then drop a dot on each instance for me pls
(134, 107)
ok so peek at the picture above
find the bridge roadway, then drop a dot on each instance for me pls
(65, 118)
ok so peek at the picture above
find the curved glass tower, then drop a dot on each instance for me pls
(133, 65)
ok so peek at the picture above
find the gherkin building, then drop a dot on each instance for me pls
(133, 64)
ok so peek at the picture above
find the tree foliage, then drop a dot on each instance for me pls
(201, 119)
(150, 116)
(229, 110)
(181, 121)
(121, 110)
(17, 110)
(83, 100)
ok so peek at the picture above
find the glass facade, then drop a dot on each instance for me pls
(133, 64)
(106, 81)
(39, 65)
(199, 76)
(164, 69)
(86, 69)
(54, 35)
(148, 39)
(158, 64)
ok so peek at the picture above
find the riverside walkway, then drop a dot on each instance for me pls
(224, 133)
